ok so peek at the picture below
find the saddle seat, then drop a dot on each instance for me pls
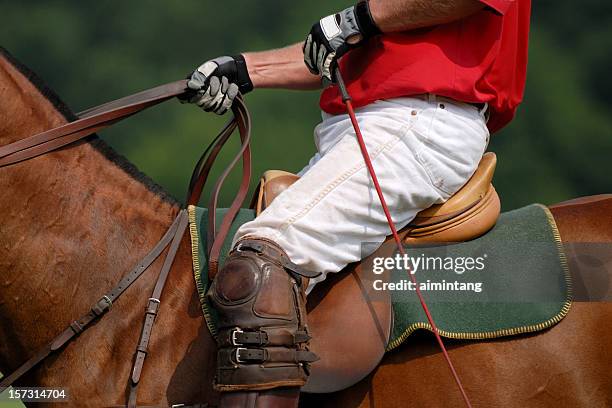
(345, 302)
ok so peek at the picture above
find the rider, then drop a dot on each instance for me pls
(430, 80)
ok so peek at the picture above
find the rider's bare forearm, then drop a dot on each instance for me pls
(281, 68)
(285, 68)
(403, 15)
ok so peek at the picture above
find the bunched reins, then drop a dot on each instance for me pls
(98, 118)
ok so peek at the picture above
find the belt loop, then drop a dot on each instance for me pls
(431, 98)
(485, 112)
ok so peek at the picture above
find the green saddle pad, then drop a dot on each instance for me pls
(523, 285)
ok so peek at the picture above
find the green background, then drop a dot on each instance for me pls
(91, 52)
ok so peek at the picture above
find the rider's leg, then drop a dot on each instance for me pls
(423, 150)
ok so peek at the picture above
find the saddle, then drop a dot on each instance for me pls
(343, 302)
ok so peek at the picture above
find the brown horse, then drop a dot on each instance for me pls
(74, 221)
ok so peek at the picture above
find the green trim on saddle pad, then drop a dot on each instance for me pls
(526, 285)
(198, 225)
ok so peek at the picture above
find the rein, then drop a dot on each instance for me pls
(98, 118)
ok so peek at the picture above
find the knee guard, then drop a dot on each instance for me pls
(260, 301)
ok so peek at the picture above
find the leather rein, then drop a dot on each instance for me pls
(96, 119)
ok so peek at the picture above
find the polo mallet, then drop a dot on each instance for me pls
(346, 98)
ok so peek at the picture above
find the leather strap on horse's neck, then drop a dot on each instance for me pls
(102, 306)
(153, 307)
(95, 119)
(90, 121)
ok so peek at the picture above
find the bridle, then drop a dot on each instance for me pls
(96, 119)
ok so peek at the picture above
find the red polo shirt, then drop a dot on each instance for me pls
(482, 58)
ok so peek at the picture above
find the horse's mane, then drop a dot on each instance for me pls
(99, 144)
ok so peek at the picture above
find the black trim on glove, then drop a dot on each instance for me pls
(334, 35)
(243, 80)
(365, 21)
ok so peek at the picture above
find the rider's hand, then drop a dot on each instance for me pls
(217, 82)
(334, 35)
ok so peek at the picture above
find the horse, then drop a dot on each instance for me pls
(74, 221)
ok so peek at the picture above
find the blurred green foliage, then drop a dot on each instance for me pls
(91, 52)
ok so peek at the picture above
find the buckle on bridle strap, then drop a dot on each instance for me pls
(152, 306)
(102, 306)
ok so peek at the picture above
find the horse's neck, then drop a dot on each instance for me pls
(71, 224)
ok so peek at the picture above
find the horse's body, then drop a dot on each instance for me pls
(72, 222)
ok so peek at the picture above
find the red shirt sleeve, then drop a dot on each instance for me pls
(500, 6)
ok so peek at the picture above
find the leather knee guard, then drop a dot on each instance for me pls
(260, 301)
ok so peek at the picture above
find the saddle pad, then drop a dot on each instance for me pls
(525, 283)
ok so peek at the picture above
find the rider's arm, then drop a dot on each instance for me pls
(218, 81)
(284, 68)
(403, 15)
(281, 68)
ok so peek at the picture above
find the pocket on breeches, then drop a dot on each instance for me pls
(450, 144)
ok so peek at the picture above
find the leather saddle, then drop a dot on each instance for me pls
(350, 323)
